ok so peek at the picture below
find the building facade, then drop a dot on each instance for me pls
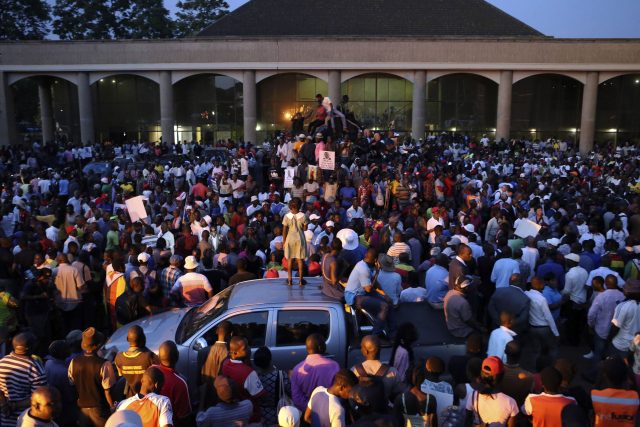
(506, 81)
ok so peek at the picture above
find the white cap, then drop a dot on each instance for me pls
(313, 217)
(207, 219)
(254, 198)
(470, 228)
(143, 257)
(554, 241)
(124, 418)
(330, 224)
(573, 257)
(289, 416)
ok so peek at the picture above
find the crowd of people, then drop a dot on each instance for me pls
(528, 249)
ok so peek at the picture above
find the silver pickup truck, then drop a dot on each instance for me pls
(268, 312)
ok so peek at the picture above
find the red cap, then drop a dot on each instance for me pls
(492, 365)
(70, 229)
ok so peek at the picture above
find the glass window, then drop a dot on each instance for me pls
(380, 101)
(294, 326)
(252, 326)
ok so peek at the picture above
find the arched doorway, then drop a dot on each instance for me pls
(208, 107)
(28, 95)
(281, 96)
(126, 108)
(618, 110)
(462, 102)
(380, 101)
(546, 106)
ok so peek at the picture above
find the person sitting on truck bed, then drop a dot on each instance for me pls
(314, 371)
(361, 293)
(373, 367)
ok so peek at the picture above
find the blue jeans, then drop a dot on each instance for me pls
(377, 307)
(599, 348)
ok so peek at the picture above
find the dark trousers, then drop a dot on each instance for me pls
(72, 319)
(92, 417)
(545, 343)
(576, 319)
(377, 307)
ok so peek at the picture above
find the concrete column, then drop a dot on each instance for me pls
(418, 116)
(46, 110)
(334, 87)
(249, 105)
(8, 134)
(85, 109)
(167, 120)
(588, 117)
(503, 125)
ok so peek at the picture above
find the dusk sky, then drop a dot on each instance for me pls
(560, 18)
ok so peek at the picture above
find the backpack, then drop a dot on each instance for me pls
(375, 379)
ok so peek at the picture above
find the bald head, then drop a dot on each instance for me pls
(168, 354)
(370, 347)
(136, 337)
(315, 344)
(45, 403)
(238, 348)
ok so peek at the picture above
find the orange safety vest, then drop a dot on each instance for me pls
(615, 407)
(547, 410)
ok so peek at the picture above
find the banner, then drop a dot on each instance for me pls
(135, 208)
(327, 160)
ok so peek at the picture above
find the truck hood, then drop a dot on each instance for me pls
(157, 328)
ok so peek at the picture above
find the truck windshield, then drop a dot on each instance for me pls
(198, 317)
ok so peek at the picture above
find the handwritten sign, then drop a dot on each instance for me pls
(327, 160)
(289, 173)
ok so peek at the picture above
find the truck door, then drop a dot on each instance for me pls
(292, 327)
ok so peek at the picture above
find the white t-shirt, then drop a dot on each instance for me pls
(626, 317)
(148, 407)
(494, 408)
(327, 406)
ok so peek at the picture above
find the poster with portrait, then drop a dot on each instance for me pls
(327, 160)
(289, 173)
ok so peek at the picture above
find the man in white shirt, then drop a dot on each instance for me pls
(501, 336)
(434, 221)
(543, 328)
(626, 319)
(168, 237)
(324, 408)
(153, 408)
(576, 291)
(355, 211)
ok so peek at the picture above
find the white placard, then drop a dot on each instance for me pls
(135, 208)
(289, 173)
(327, 160)
(527, 228)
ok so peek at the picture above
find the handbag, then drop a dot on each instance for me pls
(283, 398)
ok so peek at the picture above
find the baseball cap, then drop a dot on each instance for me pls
(330, 224)
(493, 366)
(313, 217)
(573, 257)
(143, 257)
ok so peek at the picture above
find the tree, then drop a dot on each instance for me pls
(24, 19)
(84, 20)
(145, 19)
(194, 15)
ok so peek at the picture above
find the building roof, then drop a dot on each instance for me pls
(368, 18)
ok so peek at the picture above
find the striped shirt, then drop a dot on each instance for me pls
(193, 287)
(19, 377)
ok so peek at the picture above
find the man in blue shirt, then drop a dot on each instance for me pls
(504, 268)
(551, 266)
(436, 280)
